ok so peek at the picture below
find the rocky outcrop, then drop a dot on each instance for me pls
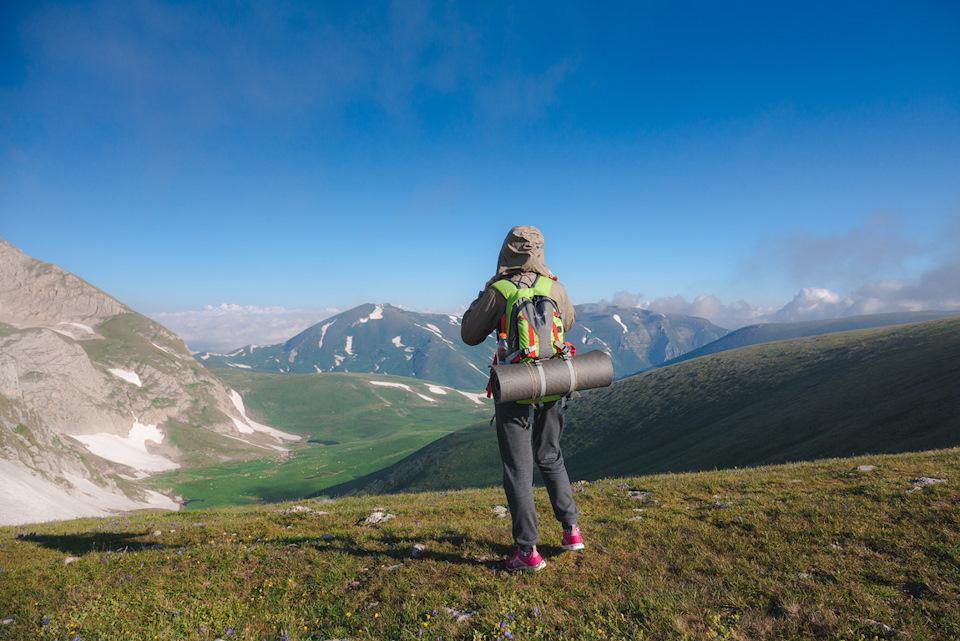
(94, 397)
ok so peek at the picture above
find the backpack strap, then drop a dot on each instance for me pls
(509, 290)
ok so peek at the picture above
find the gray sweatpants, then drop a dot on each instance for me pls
(522, 445)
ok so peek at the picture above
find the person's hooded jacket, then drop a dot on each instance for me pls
(521, 262)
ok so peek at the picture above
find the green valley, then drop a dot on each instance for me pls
(350, 424)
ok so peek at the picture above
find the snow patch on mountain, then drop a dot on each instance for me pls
(616, 317)
(130, 450)
(130, 377)
(396, 341)
(323, 332)
(403, 387)
(27, 497)
(249, 426)
(436, 389)
(348, 348)
(476, 397)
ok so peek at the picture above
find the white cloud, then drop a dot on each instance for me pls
(936, 289)
(228, 326)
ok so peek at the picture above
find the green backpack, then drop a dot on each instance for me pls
(533, 324)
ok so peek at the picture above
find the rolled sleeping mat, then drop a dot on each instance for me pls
(522, 381)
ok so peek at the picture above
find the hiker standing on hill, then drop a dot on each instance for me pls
(528, 432)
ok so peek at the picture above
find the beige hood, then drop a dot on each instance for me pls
(522, 251)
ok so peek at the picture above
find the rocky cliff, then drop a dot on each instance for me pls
(95, 397)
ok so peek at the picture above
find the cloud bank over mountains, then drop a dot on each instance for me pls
(228, 326)
(936, 289)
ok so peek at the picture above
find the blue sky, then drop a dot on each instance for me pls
(240, 170)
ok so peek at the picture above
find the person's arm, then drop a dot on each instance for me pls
(482, 317)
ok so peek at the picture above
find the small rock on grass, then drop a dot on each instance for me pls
(417, 550)
(500, 511)
(8, 620)
(70, 559)
(865, 468)
(639, 496)
(885, 630)
(460, 615)
(378, 517)
(922, 482)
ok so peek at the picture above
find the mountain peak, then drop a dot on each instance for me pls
(34, 293)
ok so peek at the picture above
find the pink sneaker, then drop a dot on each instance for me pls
(572, 541)
(532, 563)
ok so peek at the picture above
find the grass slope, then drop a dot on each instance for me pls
(353, 424)
(802, 551)
(893, 389)
(771, 332)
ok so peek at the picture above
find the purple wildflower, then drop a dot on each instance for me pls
(508, 634)
(229, 631)
(46, 621)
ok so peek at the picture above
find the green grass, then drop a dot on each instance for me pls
(350, 427)
(801, 551)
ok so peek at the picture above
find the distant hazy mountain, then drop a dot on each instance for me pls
(389, 340)
(638, 339)
(883, 390)
(770, 332)
(94, 397)
(380, 339)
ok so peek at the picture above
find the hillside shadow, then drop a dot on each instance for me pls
(400, 549)
(82, 543)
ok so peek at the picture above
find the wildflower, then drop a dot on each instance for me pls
(503, 624)
(229, 631)
(46, 621)
(508, 634)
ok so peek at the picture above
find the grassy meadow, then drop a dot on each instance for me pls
(814, 550)
(350, 427)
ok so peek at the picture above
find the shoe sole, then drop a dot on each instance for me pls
(528, 568)
(572, 547)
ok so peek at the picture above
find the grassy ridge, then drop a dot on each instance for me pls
(351, 427)
(802, 551)
(892, 389)
(772, 332)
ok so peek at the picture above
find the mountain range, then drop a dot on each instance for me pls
(385, 339)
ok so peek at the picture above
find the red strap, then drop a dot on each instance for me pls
(532, 340)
